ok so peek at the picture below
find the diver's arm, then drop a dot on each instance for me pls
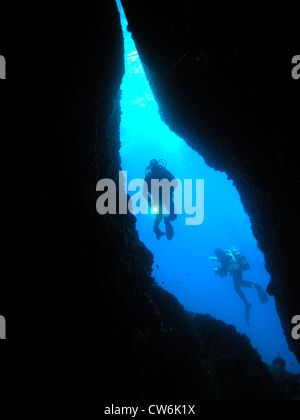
(220, 271)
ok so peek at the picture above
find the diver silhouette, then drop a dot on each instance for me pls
(234, 262)
(157, 171)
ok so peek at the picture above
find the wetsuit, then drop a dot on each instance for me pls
(230, 264)
(160, 173)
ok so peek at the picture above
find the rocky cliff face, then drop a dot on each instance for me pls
(84, 318)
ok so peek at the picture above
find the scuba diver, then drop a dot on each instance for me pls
(234, 262)
(157, 171)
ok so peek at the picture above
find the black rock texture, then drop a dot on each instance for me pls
(85, 320)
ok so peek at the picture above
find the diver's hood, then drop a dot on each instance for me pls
(160, 164)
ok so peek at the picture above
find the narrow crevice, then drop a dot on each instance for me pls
(189, 276)
(211, 100)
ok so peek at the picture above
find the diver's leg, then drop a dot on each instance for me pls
(173, 215)
(157, 222)
(171, 218)
(238, 282)
(247, 284)
(261, 293)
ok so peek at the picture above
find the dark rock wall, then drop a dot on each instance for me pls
(85, 321)
(221, 72)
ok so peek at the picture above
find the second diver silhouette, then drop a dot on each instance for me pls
(234, 262)
(157, 171)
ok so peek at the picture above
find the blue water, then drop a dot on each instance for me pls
(182, 266)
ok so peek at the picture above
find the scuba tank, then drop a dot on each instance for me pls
(241, 259)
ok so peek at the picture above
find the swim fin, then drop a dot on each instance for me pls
(157, 231)
(262, 295)
(169, 229)
(248, 309)
(159, 234)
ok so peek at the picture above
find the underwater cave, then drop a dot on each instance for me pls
(98, 310)
(181, 266)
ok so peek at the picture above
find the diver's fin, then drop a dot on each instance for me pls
(248, 309)
(262, 295)
(169, 229)
(159, 234)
